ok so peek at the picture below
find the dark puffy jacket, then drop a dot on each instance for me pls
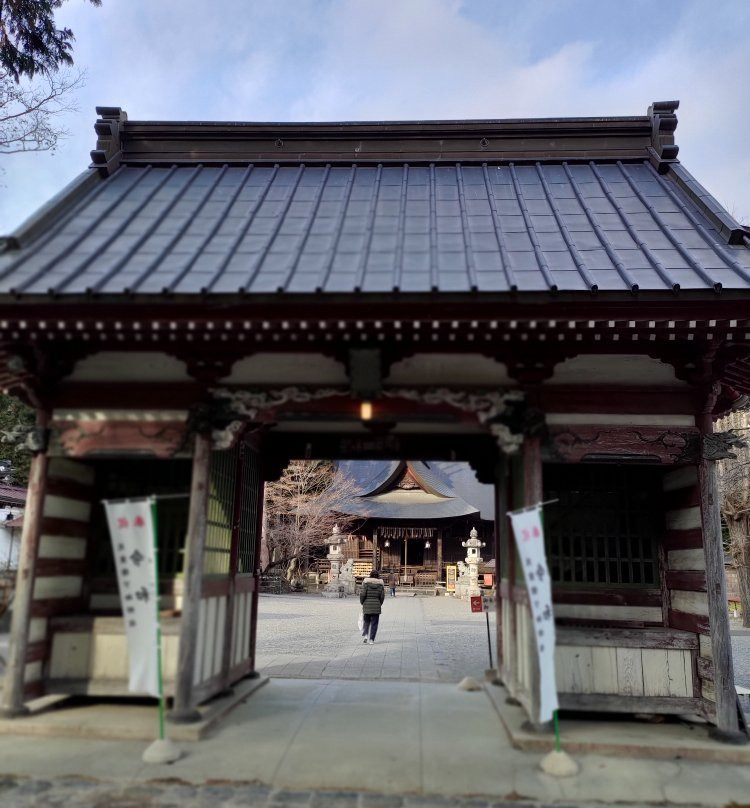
(371, 595)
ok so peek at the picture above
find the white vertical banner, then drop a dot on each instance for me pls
(527, 528)
(132, 531)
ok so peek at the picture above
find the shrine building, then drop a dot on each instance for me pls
(413, 517)
(557, 302)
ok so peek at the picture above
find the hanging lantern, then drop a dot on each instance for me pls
(387, 543)
(427, 545)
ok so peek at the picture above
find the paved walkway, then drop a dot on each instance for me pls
(428, 639)
(349, 744)
(368, 734)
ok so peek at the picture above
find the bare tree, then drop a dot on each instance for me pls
(30, 110)
(301, 509)
(734, 487)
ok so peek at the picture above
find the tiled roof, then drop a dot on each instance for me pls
(450, 482)
(546, 226)
(411, 511)
(14, 494)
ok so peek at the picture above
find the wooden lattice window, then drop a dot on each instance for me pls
(122, 478)
(248, 527)
(604, 528)
(216, 554)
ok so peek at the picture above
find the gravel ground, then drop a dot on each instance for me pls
(442, 633)
(426, 638)
(741, 654)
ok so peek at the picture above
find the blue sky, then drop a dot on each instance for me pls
(256, 60)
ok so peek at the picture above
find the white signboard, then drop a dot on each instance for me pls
(131, 529)
(527, 528)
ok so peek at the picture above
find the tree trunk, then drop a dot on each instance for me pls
(739, 537)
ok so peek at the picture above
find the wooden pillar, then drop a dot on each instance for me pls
(500, 541)
(260, 508)
(533, 493)
(440, 555)
(12, 703)
(727, 725)
(234, 551)
(184, 710)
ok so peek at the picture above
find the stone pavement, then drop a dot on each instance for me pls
(428, 639)
(81, 793)
(357, 743)
(368, 735)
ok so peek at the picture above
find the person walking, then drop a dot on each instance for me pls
(392, 581)
(371, 596)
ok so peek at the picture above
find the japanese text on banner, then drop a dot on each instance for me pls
(131, 530)
(527, 528)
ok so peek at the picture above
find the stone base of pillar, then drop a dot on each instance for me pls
(14, 712)
(728, 736)
(184, 717)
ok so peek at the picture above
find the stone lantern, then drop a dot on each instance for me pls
(473, 560)
(334, 553)
(341, 579)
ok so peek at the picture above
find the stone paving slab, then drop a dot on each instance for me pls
(619, 737)
(300, 742)
(84, 793)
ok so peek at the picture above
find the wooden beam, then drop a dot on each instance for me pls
(687, 580)
(664, 445)
(608, 596)
(628, 638)
(673, 705)
(13, 693)
(184, 699)
(683, 539)
(689, 622)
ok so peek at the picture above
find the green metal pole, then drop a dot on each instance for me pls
(162, 706)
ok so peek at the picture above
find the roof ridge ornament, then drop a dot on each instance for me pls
(663, 124)
(107, 155)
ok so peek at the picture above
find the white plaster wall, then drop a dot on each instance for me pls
(286, 368)
(130, 366)
(442, 369)
(10, 539)
(626, 370)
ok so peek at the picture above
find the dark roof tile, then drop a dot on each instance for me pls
(209, 228)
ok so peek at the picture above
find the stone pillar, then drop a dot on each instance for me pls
(12, 703)
(184, 710)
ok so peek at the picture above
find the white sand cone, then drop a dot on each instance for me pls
(161, 751)
(469, 683)
(559, 764)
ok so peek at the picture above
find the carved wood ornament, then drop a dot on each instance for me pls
(658, 444)
(501, 412)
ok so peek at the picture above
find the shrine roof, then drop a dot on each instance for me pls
(448, 490)
(12, 494)
(536, 206)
